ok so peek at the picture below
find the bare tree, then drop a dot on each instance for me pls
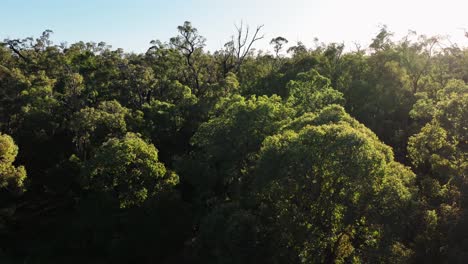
(236, 50)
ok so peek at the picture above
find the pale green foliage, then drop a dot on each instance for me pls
(177, 93)
(453, 110)
(325, 182)
(428, 101)
(439, 154)
(228, 141)
(40, 109)
(11, 177)
(231, 83)
(441, 144)
(92, 126)
(423, 109)
(311, 91)
(139, 82)
(162, 115)
(129, 170)
(39, 94)
(177, 99)
(328, 115)
(165, 118)
(73, 85)
(431, 147)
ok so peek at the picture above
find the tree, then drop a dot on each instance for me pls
(236, 50)
(11, 177)
(93, 126)
(38, 127)
(438, 153)
(298, 49)
(190, 43)
(226, 144)
(169, 122)
(11, 182)
(382, 98)
(310, 92)
(138, 85)
(278, 44)
(128, 169)
(329, 192)
(73, 89)
(382, 40)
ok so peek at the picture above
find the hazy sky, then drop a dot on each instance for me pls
(132, 24)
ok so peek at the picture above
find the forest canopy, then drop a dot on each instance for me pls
(317, 154)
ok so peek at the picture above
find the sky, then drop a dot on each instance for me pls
(132, 24)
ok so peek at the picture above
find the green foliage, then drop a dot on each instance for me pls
(11, 177)
(325, 184)
(226, 144)
(128, 169)
(440, 145)
(438, 152)
(93, 126)
(311, 92)
(167, 121)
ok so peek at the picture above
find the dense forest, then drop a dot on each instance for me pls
(320, 154)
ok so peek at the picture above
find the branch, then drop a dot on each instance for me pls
(255, 38)
(11, 44)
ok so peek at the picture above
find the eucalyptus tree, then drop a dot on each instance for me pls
(129, 170)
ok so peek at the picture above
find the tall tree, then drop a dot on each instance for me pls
(190, 43)
(278, 44)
